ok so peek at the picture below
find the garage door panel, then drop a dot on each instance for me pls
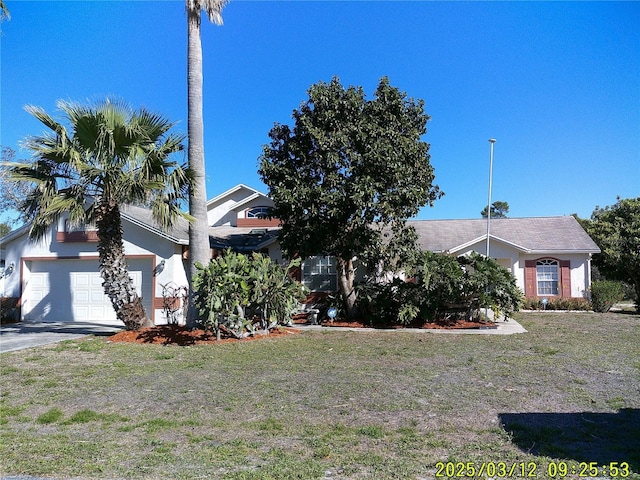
(71, 290)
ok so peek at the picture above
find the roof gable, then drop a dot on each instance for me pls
(236, 194)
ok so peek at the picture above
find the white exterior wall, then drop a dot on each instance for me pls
(221, 214)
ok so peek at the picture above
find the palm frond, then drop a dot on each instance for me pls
(4, 11)
(114, 154)
(212, 7)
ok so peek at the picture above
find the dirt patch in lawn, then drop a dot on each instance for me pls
(181, 335)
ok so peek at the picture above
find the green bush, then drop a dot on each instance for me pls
(235, 290)
(9, 310)
(468, 280)
(556, 303)
(442, 286)
(391, 303)
(604, 293)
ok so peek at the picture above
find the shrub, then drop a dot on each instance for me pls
(469, 280)
(234, 290)
(9, 310)
(604, 293)
(554, 303)
(393, 303)
(442, 286)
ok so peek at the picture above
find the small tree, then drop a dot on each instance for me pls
(348, 175)
(498, 210)
(616, 230)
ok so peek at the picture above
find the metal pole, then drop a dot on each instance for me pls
(491, 141)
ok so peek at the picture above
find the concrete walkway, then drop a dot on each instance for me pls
(17, 336)
(505, 327)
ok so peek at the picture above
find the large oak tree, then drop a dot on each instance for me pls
(348, 174)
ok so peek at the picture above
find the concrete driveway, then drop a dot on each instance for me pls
(17, 336)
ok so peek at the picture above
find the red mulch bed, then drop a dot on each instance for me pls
(181, 335)
(440, 325)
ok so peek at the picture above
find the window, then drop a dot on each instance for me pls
(258, 212)
(71, 228)
(319, 274)
(547, 277)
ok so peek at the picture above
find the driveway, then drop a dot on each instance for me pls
(17, 336)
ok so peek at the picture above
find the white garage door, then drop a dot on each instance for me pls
(71, 291)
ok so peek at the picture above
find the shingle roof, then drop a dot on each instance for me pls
(531, 235)
(143, 217)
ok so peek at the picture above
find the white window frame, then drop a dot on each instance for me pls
(548, 277)
(69, 228)
(261, 212)
(319, 273)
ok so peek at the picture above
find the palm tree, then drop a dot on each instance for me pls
(4, 11)
(198, 230)
(111, 157)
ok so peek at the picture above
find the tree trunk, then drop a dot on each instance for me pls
(199, 250)
(346, 278)
(117, 283)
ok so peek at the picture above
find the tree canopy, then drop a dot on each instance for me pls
(498, 210)
(616, 230)
(348, 174)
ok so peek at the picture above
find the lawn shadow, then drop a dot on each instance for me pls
(172, 335)
(580, 436)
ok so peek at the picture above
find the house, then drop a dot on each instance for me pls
(549, 256)
(57, 279)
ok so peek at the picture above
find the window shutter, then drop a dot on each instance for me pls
(530, 287)
(565, 277)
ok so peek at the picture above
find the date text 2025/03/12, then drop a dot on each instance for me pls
(531, 469)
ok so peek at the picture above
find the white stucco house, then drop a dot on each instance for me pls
(57, 278)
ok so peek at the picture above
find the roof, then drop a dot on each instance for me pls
(528, 235)
(143, 217)
(242, 238)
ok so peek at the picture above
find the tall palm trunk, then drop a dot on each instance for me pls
(198, 230)
(118, 286)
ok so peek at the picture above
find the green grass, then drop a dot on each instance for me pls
(380, 405)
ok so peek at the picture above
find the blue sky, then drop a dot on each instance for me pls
(556, 83)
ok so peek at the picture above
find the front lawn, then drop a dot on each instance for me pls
(329, 404)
